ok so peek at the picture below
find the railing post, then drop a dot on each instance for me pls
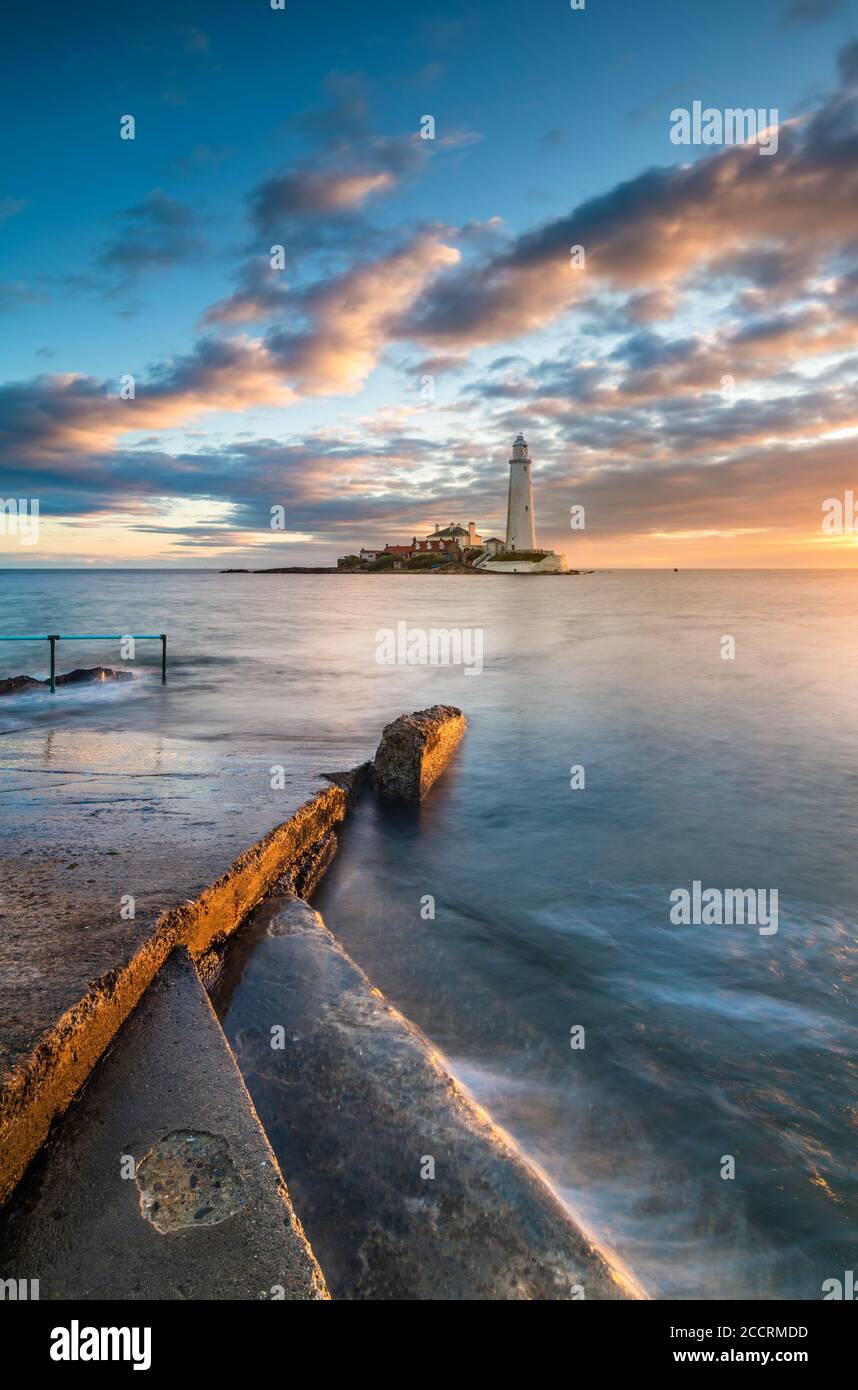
(54, 637)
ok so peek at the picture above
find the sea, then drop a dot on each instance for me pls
(690, 1088)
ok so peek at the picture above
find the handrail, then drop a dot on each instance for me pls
(55, 637)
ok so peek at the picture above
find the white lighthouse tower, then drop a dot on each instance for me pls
(520, 555)
(520, 532)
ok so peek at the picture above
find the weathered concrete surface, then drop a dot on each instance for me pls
(88, 818)
(415, 749)
(202, 1214)
(355, 1103)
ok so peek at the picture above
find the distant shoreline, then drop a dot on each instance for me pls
(320, 569)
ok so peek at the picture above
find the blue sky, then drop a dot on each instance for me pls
(119, 257)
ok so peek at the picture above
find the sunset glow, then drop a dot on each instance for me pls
(689, 379)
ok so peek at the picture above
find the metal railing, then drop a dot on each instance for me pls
(55, 637)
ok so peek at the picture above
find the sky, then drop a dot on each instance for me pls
(331, 277)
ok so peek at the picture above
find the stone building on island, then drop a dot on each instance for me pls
(460, 545)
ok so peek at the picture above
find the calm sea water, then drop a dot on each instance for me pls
(552, 904)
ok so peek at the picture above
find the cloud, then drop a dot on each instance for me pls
(657, 231)
(305, 193)
(847, 62)
(159, 233)
(352, 317)
(67, 416)
(353, 485)
(811, 11)
(344, 117)
(349, 165)
(734, 265)
(347, 328)
(316, 208)
(440, 363)
(262, 293)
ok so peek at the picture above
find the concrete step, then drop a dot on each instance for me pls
(159, 1182)
(407, 1188)
(86, 826)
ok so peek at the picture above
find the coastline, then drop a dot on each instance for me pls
(440, 569)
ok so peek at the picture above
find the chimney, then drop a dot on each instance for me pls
(472, 533)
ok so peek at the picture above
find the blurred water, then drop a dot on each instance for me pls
(552, 904)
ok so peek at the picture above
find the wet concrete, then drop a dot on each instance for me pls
(159, 1182)
(192, 831)
(405, 1187)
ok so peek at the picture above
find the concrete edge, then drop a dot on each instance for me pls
(170, 1071)
(496, 1138)
(290, 1214)
(41, 1087)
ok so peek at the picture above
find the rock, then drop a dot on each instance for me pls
(414, 750)
(15, 685)
(82, 675)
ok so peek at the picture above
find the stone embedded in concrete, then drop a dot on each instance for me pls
(159, 1182)
(415, 749)
(189, 1179)
(356, 1102)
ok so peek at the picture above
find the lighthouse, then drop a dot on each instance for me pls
(519, 555)
(520, 532)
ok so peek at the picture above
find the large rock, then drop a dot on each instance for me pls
(415, 749)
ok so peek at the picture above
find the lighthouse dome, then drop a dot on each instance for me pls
(519, 447)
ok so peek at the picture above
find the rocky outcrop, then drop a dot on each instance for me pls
(16, 685)
(82, 675)
(414, 750)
